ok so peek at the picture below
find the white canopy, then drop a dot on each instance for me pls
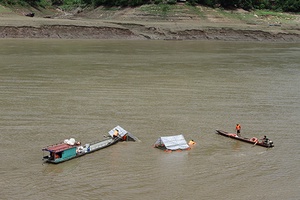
(173, 142)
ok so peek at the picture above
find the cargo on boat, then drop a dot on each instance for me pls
(70, 148)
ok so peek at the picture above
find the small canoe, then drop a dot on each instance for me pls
(255, 141)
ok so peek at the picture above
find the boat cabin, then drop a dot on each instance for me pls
(60, 152)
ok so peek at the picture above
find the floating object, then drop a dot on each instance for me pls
(172, 143)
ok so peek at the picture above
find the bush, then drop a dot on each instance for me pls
(291, 6)
(172, 2)
(158, 1)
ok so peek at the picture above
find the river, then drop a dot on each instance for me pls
(51, 90)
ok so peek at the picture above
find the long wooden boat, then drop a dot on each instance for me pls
(255, 141)
(63, 151)
(70, 149)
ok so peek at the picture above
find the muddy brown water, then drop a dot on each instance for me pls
(51, 90)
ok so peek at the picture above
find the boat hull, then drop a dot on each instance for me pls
(244, 139)
(95, 146)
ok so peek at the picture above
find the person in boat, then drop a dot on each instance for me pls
(265, 140)
(116, 133)
(192, 142)
(124, 138)
(56, 156)
(238, 130)
(51, 156)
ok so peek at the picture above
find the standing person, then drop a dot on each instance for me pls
(238, 130)
(116, 133)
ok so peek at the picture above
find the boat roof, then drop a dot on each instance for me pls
(122, 132)
(58, 147)
(173, 142)
(64, 146)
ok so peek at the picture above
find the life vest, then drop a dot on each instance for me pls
(124, 137)
(254, 139)
(238, 127)
(116, 133)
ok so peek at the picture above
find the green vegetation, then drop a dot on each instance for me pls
(170, 9)
(159, 9)
(256, 15)
(4, 10)
(271, 13)
(275, 5)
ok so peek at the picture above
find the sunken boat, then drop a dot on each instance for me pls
(70, 148)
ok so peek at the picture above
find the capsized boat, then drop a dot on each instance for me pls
(255, 141)
(71, 148)
(171, 143)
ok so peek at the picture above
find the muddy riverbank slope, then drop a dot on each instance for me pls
(181, 22)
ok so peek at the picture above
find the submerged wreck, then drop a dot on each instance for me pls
(71, 148)
(172, 143)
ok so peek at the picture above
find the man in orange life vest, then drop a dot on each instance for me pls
(238, 130)
(116, 133)
(192, 142)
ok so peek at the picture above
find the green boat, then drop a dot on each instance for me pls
(71, 148)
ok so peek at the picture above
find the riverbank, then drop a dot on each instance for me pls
(179, 22)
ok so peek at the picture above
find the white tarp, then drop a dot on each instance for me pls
(70, 141)
(173, 142)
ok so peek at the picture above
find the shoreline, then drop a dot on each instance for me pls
(144, 33)
(132, 24)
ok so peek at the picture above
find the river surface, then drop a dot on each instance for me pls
(51, 90)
